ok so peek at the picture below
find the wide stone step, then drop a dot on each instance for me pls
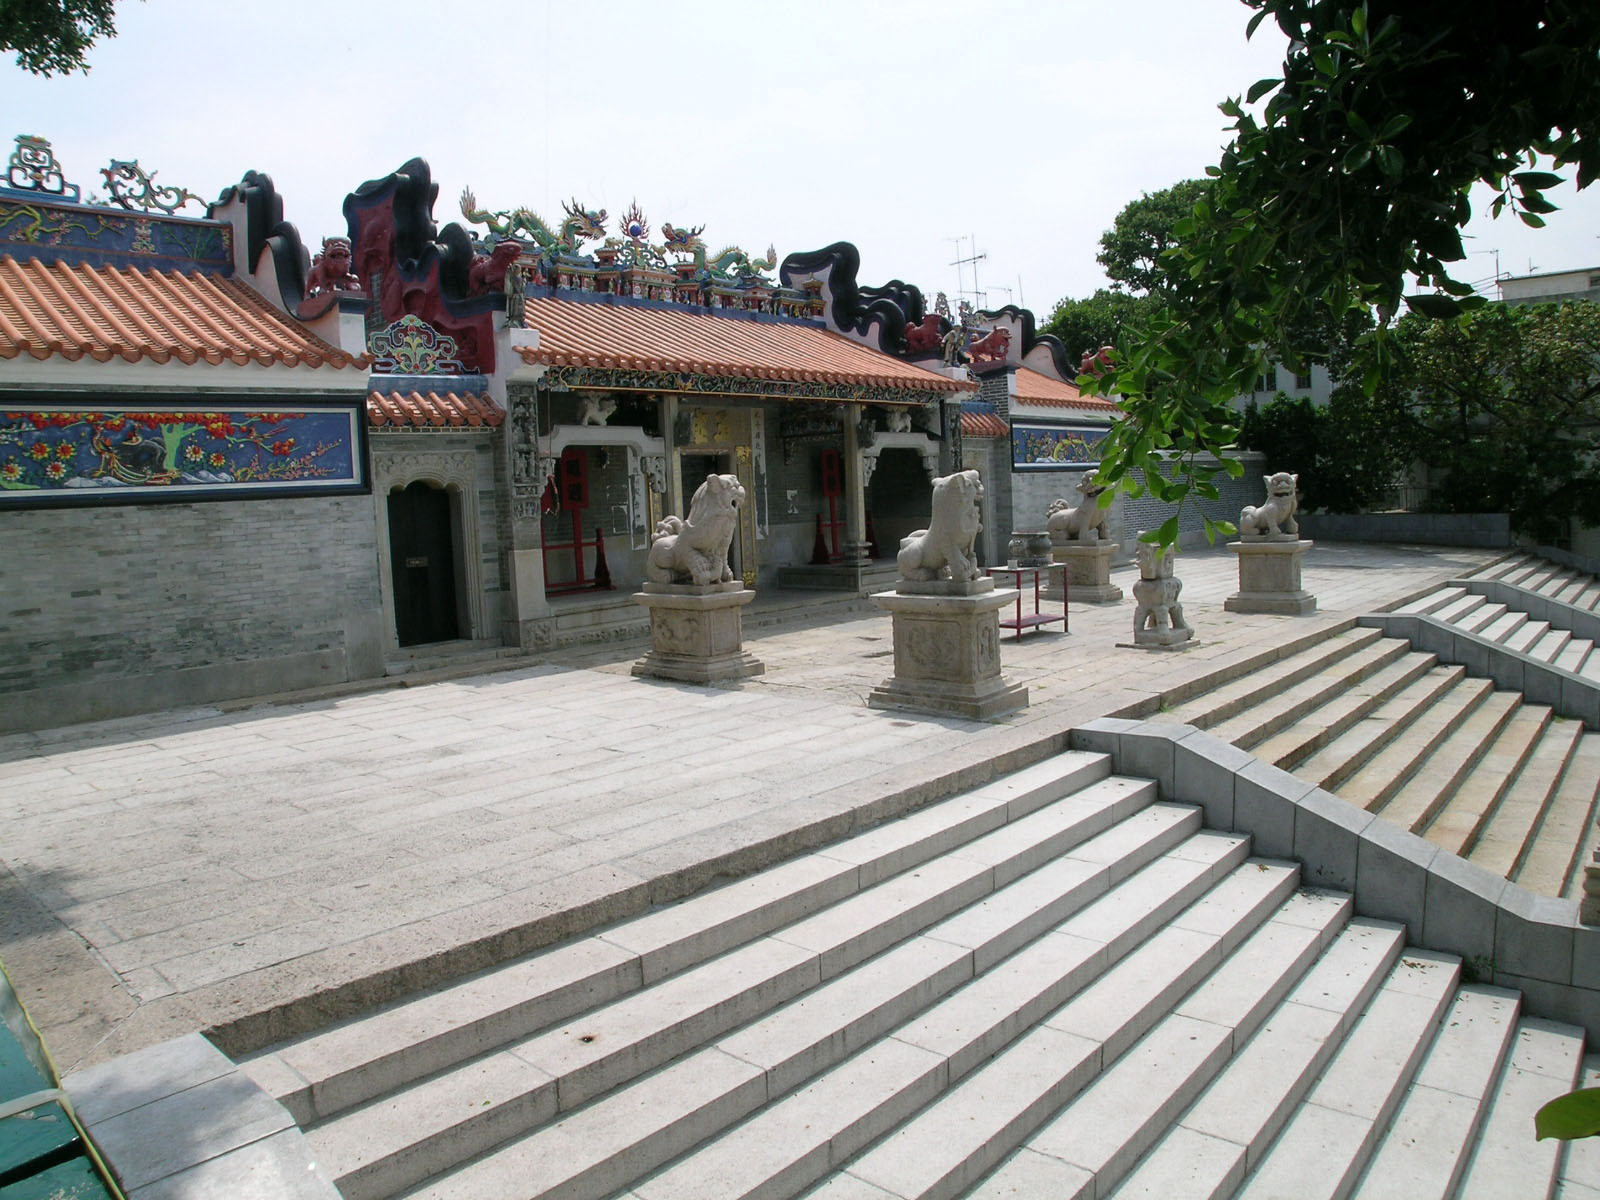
(860, 1096)
(1218, 704)
(1253, 725)
(1550, 646)
(1481, 618)
(1425, 1151)
(1325, 1145)
(1433, 601)
(1505, 626)
(1507, 837)
(1553, 864)
(950, 1144)
(1525, 636)
(1342, 711)
(1231, 1124)
(1580, 1167)
(1569, 586)
(394, 1142)
(1377, 780)
(325, 1073)
(1464, 815)
(1460, 608)
(1345, 754)
(1574, 655)
(1546, 1061)
(1589, 598)
(1421, 797)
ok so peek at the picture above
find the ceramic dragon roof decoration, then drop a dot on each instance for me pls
(679, 269)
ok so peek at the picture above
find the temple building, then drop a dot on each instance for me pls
(236, 469)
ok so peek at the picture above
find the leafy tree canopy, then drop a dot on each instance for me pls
(1131, 250)
(1506, 403)
(1086, 325)
(1353, 179)
(53, 36)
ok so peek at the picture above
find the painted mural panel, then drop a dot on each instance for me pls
(1043, 447)
(137, 454)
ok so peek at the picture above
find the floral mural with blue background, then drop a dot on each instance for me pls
(1042, 447)
(55, 455)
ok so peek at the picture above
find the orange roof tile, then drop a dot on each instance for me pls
(984, 425)
(133, 314)
(1035, 387)
(628, 337)
(434, 410)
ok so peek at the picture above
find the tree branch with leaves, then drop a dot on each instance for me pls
(1350, 184)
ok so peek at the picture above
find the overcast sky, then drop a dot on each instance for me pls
(924, 133)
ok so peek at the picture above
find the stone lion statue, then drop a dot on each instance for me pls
(1157, 615)
(696, 551)
(1084, 521)
(1283, 501)
(945, 547)
(595, 410)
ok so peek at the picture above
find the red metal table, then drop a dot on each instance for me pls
(1035, 619)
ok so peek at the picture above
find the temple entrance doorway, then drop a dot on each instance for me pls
(423, 558)
(898, 498)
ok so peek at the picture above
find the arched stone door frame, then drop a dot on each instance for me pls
(456, 473)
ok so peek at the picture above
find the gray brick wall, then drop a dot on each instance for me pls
(131, 608)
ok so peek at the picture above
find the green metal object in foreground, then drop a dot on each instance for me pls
(43, 1151)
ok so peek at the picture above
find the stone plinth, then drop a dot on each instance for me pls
(947, 650)
(1088, 573)
(696, 634)
(1269, 577)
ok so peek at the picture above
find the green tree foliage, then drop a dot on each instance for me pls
(53, 36)
(1131, 250)
(1506, 401)
(1352, 179)
(1351, 453)
(1086, 325)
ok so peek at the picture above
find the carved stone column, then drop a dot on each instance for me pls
(857, 551)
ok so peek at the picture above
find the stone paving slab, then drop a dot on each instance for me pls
(258, 871)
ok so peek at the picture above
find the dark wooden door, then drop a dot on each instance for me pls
(422, 551)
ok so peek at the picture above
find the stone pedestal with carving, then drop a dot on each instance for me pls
(1088, 573)
(947, 650)
(696, 634)
(1269, 578)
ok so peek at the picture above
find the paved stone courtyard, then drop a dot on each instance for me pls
(262, 870)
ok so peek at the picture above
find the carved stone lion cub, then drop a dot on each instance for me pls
(1275, 518)
(696, 551)
(944, 549)
(1084, 521)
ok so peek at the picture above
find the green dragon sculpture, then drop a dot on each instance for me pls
(580, 226)
(728, 263)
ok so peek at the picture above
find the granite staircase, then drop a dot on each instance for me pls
(1052, 985)
(1503, 783)
(1566, 598)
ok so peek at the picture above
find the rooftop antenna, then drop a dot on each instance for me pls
(974, 258)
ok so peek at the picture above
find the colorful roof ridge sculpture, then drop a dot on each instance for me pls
(678, 270)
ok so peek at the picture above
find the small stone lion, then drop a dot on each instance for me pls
(1084, 521)
(1156, 612)
(696, 551)
(1283, 501)
(898, 420)
(595, 410)
(945, 547)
